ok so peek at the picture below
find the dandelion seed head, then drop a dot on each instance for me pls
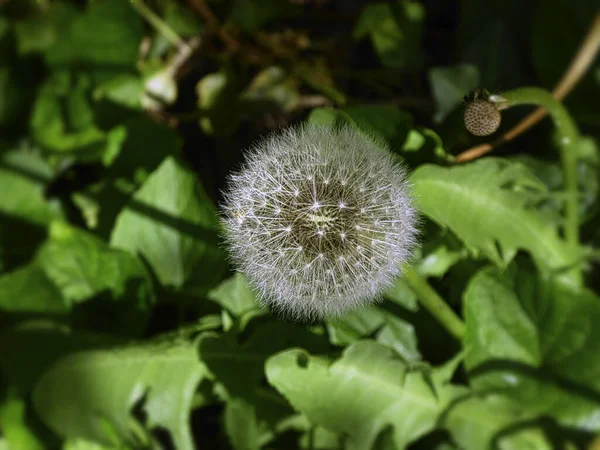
(328, 220)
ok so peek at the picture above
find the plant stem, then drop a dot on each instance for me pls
(434, 303)
(158, 24)
(568, 137)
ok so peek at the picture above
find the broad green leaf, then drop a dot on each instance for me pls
(171, 222)
(395, 31)
(72, 268)
(107, 34)
(360, 394)
(477, 423)
(84, 268)
(536, 341)
(450, 85)
(485, 204)
(83, 390)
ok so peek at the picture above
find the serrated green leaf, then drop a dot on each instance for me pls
(360, 394)
(81, 390)
(177, 232)
(480, 204)
(537, 342)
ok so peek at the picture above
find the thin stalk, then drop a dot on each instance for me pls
(568, 137)
(159, 25)
(430, 299)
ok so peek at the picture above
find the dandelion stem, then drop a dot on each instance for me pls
(158, 23)
(568, 137)
(430, 299)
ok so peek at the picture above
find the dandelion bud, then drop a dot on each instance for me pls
(319, 220)
(482, 117)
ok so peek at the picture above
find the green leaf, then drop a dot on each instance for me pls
(485, 204)
(37, 33)
(450, 85)
(481, 422)
(84, 268)
(355, 325)
(536, 340)
(29, 291)
(125, 89)
(235, 295)
(241, 425)
(62, 118)
(25, 176)
(14, 427)
(401, 336)
(171, 222)
(84, 390)
(361, 394)
(395, 31)
(30, 348)
(107, 34)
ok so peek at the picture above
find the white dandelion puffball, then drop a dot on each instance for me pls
(319, 220)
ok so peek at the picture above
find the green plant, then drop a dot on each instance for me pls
(123, 321)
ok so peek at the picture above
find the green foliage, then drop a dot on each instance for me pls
(123, 324)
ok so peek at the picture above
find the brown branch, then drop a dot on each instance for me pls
(576, 70)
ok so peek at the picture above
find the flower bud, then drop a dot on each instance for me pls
(319, 220)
